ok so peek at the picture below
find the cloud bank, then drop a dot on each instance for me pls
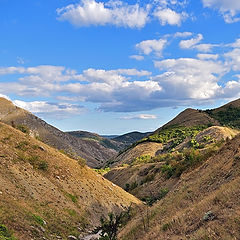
(176, 82)
(120, 14)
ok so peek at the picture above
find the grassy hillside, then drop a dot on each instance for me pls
(228, 115)
(184, 127)
(145, 175)
(95, 153)
(191, 117)
(203, 204)
(46, 195)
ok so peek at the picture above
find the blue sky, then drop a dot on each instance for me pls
(116, 66)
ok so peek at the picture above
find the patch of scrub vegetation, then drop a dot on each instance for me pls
(176, 133)
(34, 160)
(22, 145)
(74, 198)
(150, 200)
(142, 159)
(130, 187)
(23, 128)
(171, 136)
(5, 234)
(188, 159)
(39, 220)
(109, 226)
(102, 171)
(229, 116)
(6, 139)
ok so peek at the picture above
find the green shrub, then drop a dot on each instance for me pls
(165, 227)
(150, 200)
(43, 165)
(127, 187)
(133, 185)
(148, 178)
(168, 170)
(34, 161)
(102, 171)
(72, 197)
(38, 220)
(110, 226)
(23, 128)
(130, 187)
(81, 161)
(22, 145)
(4, 231)
(142, 159)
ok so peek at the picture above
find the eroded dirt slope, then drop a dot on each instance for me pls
(44, 193)
(94, 153)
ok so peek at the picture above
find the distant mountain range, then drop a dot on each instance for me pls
(90, 146)
(116, 142)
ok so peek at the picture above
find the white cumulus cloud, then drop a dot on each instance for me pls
(230, 9)
(149, 46)
(203, 56)
(137, 57)
(234, 58)
(188, 78)
(193, 43)
(188, 44)
(47, 108)
(91, 12)
(169, 16)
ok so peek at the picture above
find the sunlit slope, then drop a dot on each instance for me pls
(95, 153)
(204, 204)
(43, 193)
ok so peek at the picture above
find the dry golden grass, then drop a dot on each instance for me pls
(148, 148)
(191, 117)
(37, 180)
(214, 186)
(95, 153)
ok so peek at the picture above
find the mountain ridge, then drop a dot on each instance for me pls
(95, 154)
(188, 119)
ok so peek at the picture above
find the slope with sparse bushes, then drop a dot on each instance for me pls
(203, 204)
(95, 153)
(46, 195)
(146, 175)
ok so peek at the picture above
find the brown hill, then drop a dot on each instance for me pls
(46, 195)
(130, 138)
(95, 153)
(204, 204)
(234, 104)
(128, 156)
(191, 117)
(143, 175)
(105, 142)
(227, 115)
